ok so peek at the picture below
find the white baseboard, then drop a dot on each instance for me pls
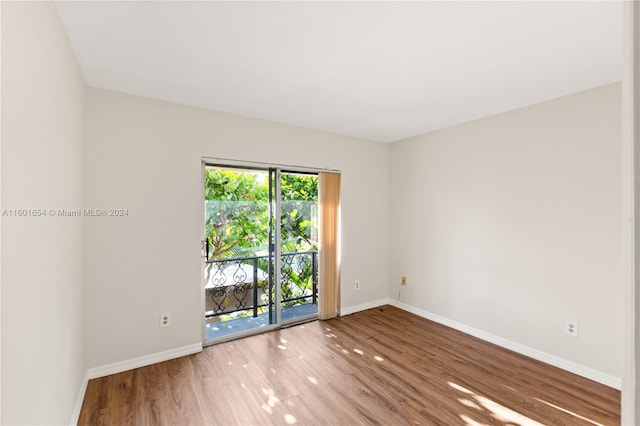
(130, 364)
(580, 370)
(119, 367)
(75, 415)
(363, 307)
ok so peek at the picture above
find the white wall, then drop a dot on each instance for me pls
(145, 155)
(42, 309)
(512, 225)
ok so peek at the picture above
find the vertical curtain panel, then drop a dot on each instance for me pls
(329, 250)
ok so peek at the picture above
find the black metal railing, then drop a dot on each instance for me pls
(242, 284)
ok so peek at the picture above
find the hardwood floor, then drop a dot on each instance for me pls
(381, 366)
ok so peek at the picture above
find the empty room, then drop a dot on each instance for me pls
(329, 213)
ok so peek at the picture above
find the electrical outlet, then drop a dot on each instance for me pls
(571, 328)
(403, 280)
(164, 320)
(357, 285)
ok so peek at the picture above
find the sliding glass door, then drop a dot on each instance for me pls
(299, 246)
(259, 224)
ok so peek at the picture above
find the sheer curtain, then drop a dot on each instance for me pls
(329, 256)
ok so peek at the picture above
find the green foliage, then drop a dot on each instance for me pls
(297, 278)
(299, 219)
(237, 223)
(236, 213)
(299, 187)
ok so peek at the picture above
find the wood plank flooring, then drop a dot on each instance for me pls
(381, 366)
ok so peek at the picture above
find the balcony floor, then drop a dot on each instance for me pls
(220, 329)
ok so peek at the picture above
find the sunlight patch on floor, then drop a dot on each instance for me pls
(290, 419)
(358, 351)
(378, 358)
(272, 400)
(344, 351)
(498, 411)
(313, 380)
(469, 403)
(569, 412)
(505, 414)
(460, 388)
(469, 421)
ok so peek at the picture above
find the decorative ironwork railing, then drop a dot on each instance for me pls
(242, 284)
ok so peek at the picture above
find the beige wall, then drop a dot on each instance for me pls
(145, 155)
(512, 225)
(42, 309)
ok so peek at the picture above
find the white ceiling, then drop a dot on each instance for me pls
(377, 70)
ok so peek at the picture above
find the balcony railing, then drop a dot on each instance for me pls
(242, 284)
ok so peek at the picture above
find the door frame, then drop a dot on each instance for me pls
(205, 162)
(258, 166)
(630, 395)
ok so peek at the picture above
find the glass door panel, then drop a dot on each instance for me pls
(238, 249)
(299, 246)
(259, 224)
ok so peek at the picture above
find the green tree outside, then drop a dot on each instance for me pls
(237, 225)
(237, 212)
